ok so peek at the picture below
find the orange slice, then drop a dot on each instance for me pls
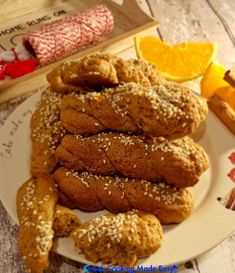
(212, 80)
(178, 62)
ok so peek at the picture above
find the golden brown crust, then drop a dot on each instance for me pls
(91, 71)
(46, 133)
(119, 239)
(101, 70)
(94, 192)
(138, 71)
(171, 111)
(224, 112)
(65, 221)
(57, 83)
(36, 201)
(179, 162)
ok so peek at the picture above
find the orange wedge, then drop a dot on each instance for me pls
(213, 79)
(178, 62)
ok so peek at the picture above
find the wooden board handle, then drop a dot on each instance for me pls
(130, 5)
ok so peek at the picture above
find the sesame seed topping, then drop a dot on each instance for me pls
(110, 226)
(47, 128)
(160, 192)
(41, 226)
(83, 177)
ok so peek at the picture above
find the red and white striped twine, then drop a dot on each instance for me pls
(73, 33)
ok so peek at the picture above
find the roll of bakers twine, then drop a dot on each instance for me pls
(75, 32)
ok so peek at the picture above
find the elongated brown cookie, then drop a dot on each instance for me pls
(179, 162)
(119, 239)
(95, 192)
(168, 110)
(36, 202)
(101, 70)
(46, 133)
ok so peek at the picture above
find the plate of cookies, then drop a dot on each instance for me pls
(112, 164)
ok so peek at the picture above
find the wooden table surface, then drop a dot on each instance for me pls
(180, 20)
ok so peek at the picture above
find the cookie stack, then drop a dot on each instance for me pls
(114, 135)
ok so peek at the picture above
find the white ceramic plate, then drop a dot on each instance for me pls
(209, 224)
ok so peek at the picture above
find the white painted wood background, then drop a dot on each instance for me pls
(180, 20)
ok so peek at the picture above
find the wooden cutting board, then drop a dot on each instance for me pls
(19, 16)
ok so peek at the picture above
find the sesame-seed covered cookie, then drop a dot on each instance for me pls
(117, 194)
(36, 202)
(168, 110)
(41, 219)
(57, 83)
(119, 239)
(46, 133)
(101, 70)
(179, 162)
(91, 71)
(138, 71)
(65, 221)
(76, 76)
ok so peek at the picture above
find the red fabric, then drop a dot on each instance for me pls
(18, 69)
(2, 70)
(232, 157)
(231, 174)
